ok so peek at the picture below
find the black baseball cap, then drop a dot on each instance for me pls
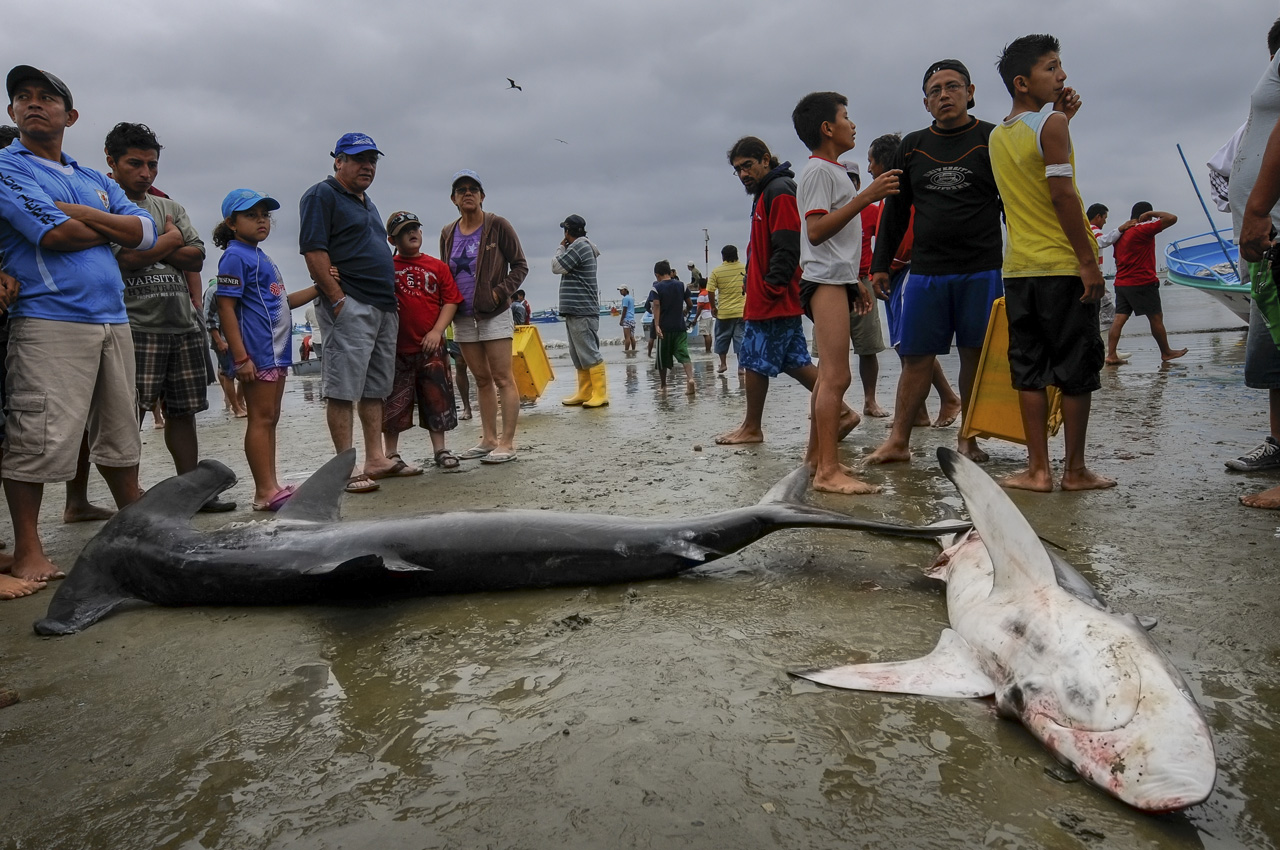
(21, 73)
(948, 65)
(574, 222)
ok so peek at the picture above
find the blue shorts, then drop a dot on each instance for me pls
(934, 307)
(893, 307)
(773, 346)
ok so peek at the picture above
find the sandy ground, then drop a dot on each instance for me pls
(659, 714)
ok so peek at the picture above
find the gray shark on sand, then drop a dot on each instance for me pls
(1089, 683)
(151, 552)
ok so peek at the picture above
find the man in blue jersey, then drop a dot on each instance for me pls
(57, 223)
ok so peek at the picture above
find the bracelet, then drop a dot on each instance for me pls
(240, 363)
(340, 301)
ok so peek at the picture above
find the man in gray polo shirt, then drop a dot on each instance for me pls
(344, 243)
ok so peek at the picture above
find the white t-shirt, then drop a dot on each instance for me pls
(1264, 111)
(825, 187)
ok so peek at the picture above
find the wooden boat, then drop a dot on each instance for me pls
(1204, 262)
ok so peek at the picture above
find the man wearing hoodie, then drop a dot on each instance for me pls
(773, 340)
(575, 262)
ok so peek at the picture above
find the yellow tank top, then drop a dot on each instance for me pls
(1037, 246)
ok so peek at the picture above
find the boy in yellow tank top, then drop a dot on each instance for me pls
(1051, 277)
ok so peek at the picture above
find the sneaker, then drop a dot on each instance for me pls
(1265, 456)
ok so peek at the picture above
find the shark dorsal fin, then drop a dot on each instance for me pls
(1017, 555)
(319, 499)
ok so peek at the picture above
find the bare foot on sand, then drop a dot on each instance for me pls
(36, 568)
(740, 436)
(1268, 500)
(849, 420)
(1114, 361)
(86, 512)
(843, 483)
(1025, 480)
(874, 410)
(1085, 479)
(948, 413)
(13, 588)
(970, 449)
(1172, 355)
(690, 388)
(888, 453)
(242, 413)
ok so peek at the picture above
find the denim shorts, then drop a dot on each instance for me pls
(1261, 356)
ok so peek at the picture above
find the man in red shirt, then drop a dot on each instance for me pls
(774, 340)
(1137, 287)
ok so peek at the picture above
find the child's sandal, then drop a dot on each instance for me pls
(446, 459)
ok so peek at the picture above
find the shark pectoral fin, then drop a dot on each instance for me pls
(951, 670)
(691, 551)
(399, 565)
(319, 499)
(359, 565)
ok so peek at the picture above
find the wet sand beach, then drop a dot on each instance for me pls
(660, 714)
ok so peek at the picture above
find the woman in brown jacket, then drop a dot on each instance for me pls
(488, 264)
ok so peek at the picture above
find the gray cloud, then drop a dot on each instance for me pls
(648, 96)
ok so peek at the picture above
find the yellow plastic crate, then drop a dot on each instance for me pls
(994, 410)
(529, 363)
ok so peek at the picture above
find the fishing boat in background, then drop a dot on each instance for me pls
(544, 317)
(1208, 262)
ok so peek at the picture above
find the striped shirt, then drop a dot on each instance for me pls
(579, 292)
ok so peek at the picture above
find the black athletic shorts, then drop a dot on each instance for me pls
(1053, 338)
(808, 287)
(1141, 300)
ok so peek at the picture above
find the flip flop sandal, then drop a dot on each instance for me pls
(446, 459)
(474, 452)
(399, 470)
(361, 484)
(498, 457)
(277, 501)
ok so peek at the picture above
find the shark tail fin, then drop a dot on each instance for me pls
(1018, 556)
(319, 499)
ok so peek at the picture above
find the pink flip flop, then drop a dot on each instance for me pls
(277, 501)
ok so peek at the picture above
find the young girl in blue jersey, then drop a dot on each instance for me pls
(253, 307)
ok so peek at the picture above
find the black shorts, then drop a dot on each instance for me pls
(1053, 338)
(1141, 300)
(808, 287)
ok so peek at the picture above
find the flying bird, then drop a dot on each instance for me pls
(513, 85)
(562, 141)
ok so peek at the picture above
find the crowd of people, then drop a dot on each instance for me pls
(102, 276)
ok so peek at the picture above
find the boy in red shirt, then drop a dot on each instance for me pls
(1137, 286)
(427, 297)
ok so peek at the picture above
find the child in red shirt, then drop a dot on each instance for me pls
(428, 297)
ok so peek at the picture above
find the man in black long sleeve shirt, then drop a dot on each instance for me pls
(956, 258)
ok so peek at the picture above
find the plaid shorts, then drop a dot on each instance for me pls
(427, 380)
(172, 368)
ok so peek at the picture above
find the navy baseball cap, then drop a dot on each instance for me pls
(574, 222)
(353, 143)
(239, 200)
(22, 73)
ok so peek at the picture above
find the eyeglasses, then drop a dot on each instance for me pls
(466, 190)
(950, 88)
(745, 165)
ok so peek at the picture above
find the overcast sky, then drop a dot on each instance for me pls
(648, 97)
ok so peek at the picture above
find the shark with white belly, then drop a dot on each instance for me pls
(1089, 683)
